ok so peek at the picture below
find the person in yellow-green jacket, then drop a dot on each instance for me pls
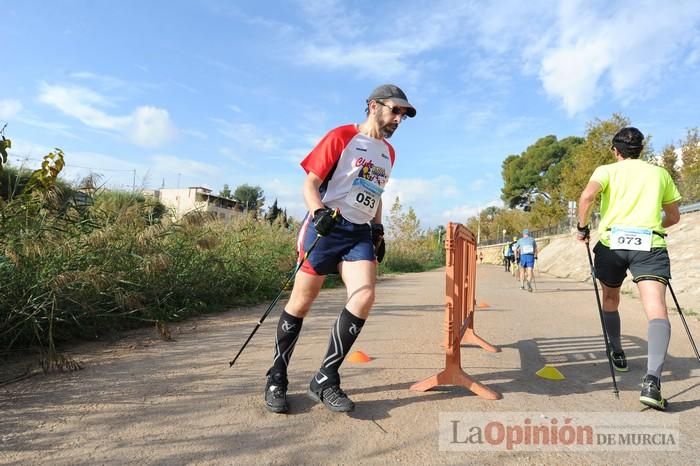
(632, 235)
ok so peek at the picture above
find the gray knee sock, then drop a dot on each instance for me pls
(612, 326)
(659, 335)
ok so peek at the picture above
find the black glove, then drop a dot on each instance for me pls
(324, 221)
(584, 232)
(378, 241)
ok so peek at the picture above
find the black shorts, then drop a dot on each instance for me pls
(611, 265)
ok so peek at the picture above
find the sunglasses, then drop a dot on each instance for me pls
(395, 110)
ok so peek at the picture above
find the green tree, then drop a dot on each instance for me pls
(594, 151)
(251, 198)
(690, 172)
(546, 213)
(535, 173)
(4, 145)
(226, 192)
(273, 213)
(495, 219)
(669, 160)
(402, 226)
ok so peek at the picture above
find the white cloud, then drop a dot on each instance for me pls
(427, 197)
(58, 128)
(292, 156)
(431, 197)
(625, 53)
(334, 26)
(232, 155)
(107, 81)
(459, 213)
(78, 164)
(415, 191)
(584, 51)
(377, 61)
(81, 103)
(151, 127)
(247, 135)
(147, 126)
(9, 108)
(170, 164)
(23, 149)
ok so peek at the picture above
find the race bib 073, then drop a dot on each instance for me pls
(630, 238)
(364, 196)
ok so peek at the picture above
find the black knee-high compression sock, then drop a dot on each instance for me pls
(612, 327)
(343, 334)
(288, 329)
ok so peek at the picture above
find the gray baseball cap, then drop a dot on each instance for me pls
(389, 91)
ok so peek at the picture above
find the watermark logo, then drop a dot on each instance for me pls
(558, 431)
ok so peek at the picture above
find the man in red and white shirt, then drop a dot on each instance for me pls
(346, 174)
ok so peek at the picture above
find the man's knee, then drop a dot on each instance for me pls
(364, 296)
(301, 299)
(298, 307)
(611, 298)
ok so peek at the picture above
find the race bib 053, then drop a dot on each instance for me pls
(364, 196)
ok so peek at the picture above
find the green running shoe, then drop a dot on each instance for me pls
(651, 393)
(619, 361)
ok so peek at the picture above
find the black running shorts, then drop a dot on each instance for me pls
(611, 265)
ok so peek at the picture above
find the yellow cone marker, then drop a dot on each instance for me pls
(550, 373)
(358, 356)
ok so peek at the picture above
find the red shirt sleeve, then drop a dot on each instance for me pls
(392, 153)
(326, 154)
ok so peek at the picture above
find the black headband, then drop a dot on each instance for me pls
(627, 149)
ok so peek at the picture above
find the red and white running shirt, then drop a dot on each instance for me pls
(355, 168)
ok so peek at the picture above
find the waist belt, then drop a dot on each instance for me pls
(663, 235)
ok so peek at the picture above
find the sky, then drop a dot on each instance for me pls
(183, 93)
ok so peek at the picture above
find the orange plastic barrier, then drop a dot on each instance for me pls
(460, 293)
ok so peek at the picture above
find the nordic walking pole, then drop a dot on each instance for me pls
(602, 322)
(272, 304)
(687, 330)
(534, 280)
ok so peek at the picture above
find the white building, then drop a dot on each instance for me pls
(197, 198)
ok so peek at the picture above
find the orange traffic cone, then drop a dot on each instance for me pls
(359, 356)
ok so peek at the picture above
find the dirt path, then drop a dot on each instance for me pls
(145, 401)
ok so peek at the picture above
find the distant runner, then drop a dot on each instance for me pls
(526, 248)
(508, 255)
(516, 258)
